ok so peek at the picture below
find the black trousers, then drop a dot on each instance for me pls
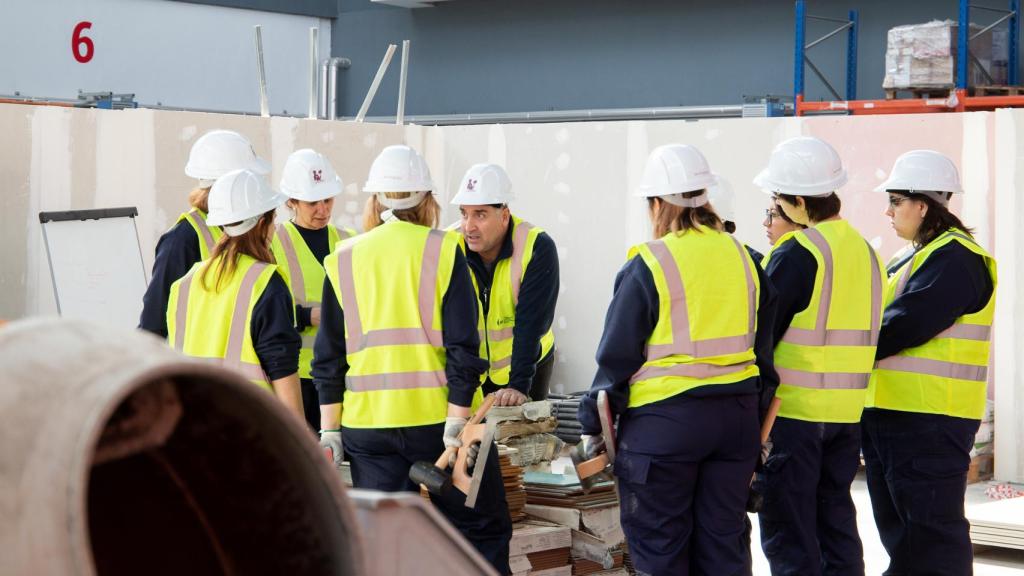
(809, 522)
(541, 384)
(381, 459)
(310, 403)
(683, 475)
(917, 474)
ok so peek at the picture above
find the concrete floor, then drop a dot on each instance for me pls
(987, 561)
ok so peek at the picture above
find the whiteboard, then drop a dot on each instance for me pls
(96, 264)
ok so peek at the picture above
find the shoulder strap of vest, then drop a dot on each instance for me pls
(291, 257)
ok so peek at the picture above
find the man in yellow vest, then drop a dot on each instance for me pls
(515, 273)
(927, 393)
(829, 282)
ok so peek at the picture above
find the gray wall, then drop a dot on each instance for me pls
(525, 55)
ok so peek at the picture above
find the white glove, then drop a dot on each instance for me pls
(331, 439)
(453, 426)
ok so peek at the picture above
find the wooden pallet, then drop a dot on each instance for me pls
(996, 90)
(894, 93)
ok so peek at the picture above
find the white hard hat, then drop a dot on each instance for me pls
(673, 170)
(399, 168)
(241, 196)
(484, 184)
(803, 166)
(723, 200)
(218, 152)
(924, 172)
(309, 176)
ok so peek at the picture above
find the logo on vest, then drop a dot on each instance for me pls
(317, 175)
(506, 320)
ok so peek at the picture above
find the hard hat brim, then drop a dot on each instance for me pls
(272, 203)
(702, 183)
(323, 191)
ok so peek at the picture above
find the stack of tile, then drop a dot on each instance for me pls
(512, 478)
(593, 518)
(564, 408)
(540, 549)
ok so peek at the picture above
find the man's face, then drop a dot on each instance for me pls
(484, 227)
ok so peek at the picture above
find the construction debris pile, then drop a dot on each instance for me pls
(566, 531)
(564, 407)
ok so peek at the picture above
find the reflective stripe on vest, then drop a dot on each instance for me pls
(825, 358)
(206, 236)
(496, 343)
(679, 359)
(357, 341)
(948, 374)
(296, 275)
(233, 356)
(821, 335)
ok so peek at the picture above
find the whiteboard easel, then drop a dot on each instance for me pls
(96, 264)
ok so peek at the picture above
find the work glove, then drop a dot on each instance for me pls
(509, 397)
(453, 426)
(471, 455)
(593, 446)
(331, 440)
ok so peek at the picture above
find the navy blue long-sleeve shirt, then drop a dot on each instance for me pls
(953, 281)
(792, 269)
(176, 252)
(463, 365)
(631, 318)
(272, 330)
(319, 243)
(535, 311)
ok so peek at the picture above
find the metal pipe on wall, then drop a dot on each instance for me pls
(261, 71)
(332, 70)
(314, 57)
(400, 116)
(667, 113)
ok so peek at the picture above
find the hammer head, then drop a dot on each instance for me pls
(435, 480)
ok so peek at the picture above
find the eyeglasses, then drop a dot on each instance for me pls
(895, 201)
(770, 215)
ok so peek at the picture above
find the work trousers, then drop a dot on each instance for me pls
(381, 458)
(683, 474)
(917, 474)
(809, 522)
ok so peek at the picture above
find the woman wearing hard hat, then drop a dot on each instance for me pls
(829, 281)
(191, 240)
(927, 393)
(234, 309)
(396, 359)
(300, 246)
(776, 223)
(687, 340)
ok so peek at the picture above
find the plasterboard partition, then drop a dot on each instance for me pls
(574, 180)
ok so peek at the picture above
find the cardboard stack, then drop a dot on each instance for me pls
(920, 56)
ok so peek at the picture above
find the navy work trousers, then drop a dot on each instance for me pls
(809, 522)
(683, 469)
(381, 459)
(917, 474)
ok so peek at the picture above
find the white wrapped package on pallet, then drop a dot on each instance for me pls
(924, 56)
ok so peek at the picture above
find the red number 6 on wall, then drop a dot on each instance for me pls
(81, 46)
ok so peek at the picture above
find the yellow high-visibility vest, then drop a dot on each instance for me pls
(947, 374)
(390, 283)
(208, 237)
(496, 327)
(824, 360)
(708, 294)
(215, 325)
(305, 277)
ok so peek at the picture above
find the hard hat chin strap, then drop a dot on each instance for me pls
(389, 216)
(693, 202)
(242, 227)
